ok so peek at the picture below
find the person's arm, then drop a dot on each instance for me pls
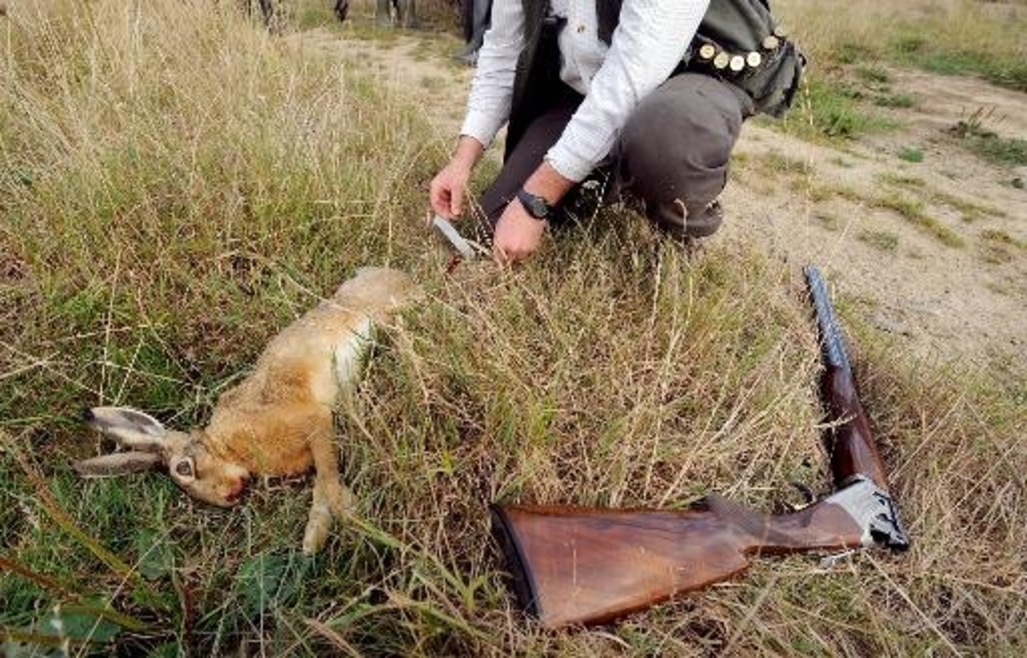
(649, 42)
(488, 106)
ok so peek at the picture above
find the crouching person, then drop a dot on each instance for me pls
(642, 94)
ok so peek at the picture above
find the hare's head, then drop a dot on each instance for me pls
(186, 456)
(380, 287)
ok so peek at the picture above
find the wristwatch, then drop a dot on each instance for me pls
(536, 206)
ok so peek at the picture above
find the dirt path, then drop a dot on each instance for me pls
(934, 251)
(421, 67)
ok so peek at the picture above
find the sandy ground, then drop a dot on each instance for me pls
(829, 204)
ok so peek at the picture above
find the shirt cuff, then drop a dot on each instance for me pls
(481, 126)
(568, 164)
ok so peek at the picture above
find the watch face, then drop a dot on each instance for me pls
(535, 205)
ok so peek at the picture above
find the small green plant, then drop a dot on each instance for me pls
(901, 101)
(874, 73)
(1001, 150)
(972, 132)
(882, 240)
(911, 154)
(899, 180)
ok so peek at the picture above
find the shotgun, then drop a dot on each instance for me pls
(584, 566)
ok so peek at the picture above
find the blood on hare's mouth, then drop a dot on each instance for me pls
(237, 493)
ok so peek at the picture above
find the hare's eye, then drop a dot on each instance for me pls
(185, 468)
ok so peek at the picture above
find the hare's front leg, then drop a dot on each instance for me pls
(331, 498)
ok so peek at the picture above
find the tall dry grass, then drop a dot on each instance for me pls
(176, 185)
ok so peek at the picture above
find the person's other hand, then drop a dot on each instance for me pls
(518, 235)
(449, 189)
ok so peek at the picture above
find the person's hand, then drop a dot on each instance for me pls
(518, 235)
(449, 189)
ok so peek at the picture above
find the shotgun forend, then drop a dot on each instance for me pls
(575, 565)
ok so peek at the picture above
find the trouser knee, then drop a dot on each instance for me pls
(674, 150)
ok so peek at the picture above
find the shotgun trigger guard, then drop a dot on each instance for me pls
(875, 511)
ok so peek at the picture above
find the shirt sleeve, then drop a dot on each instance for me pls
(488, 104)
(649, 42)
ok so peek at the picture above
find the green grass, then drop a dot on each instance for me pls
(310, 14)
(961, 37)
(874, 73)
(911, 154)
(881, 240)
(913, 211)
(1001, 150)
(183, 186)
(975, 135)
(829, 109)
(902, 180)
(915, 48)
(897, 100)
(970, 211)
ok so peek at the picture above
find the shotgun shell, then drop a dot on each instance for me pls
(770, 42)
(737, 63)
(707, 51)
(721, 61)
(780, 32)
(753, 59)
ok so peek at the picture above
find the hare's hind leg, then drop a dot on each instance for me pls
(331, 498)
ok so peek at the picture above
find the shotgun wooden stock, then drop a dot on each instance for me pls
(575, 565)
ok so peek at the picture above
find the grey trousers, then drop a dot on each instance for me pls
(672, 155)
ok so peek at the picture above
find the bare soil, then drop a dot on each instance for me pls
(954, 301)
(934, 252)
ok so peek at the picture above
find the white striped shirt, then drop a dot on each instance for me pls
(649, 42)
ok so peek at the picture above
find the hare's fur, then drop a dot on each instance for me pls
(277, 421)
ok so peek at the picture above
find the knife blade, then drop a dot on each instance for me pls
(443, 226)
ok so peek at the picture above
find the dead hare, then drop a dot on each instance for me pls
(277, 421)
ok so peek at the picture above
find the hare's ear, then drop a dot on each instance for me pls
(119, 463)
(128, 427)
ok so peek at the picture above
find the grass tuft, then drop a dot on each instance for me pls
(913, 211)
(829, 109)
(911, 154)
(881, 240)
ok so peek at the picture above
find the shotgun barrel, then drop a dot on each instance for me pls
(582, 566)
(849, 442)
